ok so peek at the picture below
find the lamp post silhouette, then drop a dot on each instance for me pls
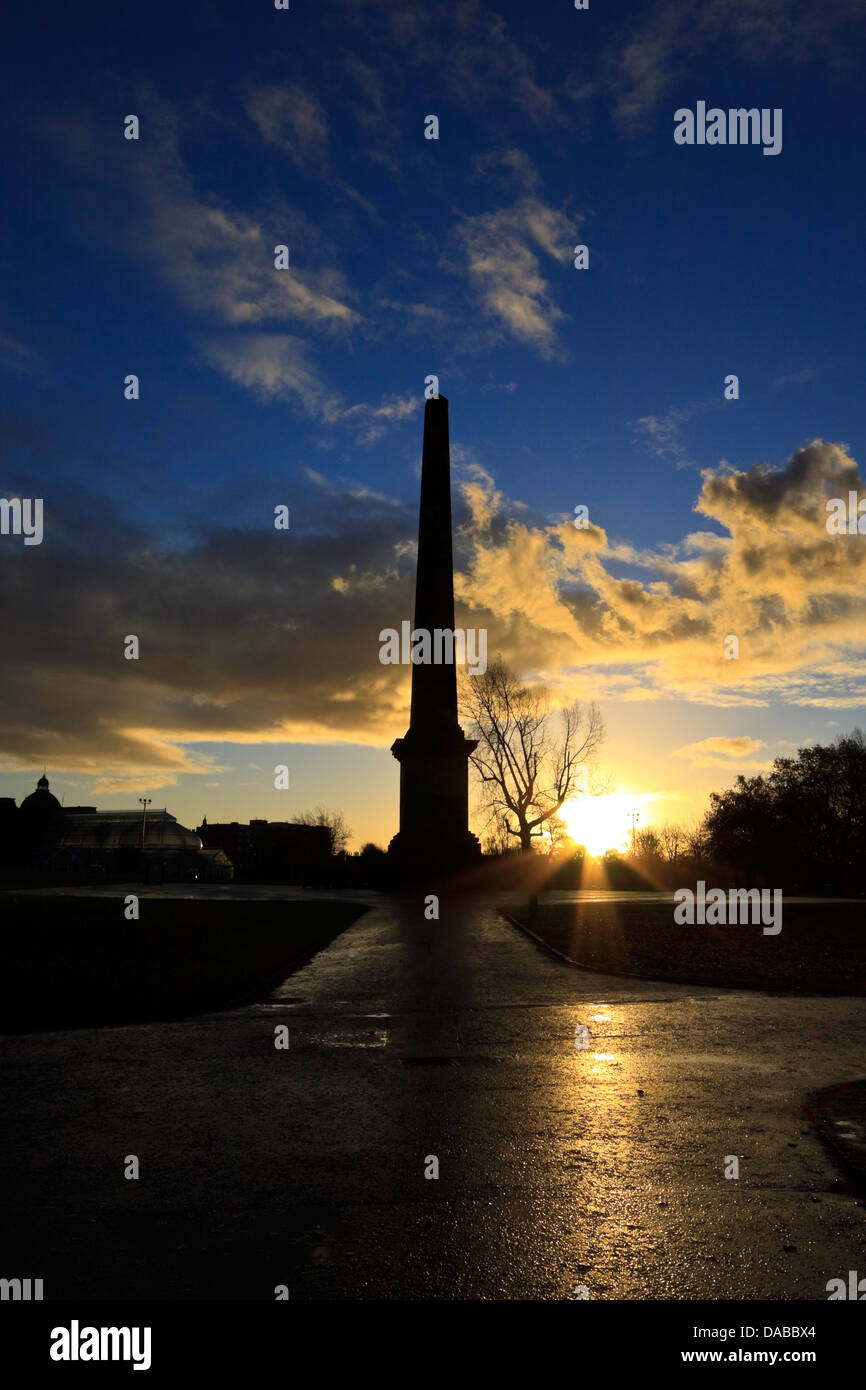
(144, 802)
(635, 817)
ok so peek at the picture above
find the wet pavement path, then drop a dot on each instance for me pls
(455, 1039)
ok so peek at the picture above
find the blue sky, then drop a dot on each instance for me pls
(408, 257)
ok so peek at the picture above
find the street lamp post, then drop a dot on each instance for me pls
(144, 802)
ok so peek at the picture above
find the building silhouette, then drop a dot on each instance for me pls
(44, 840)
(272, 851)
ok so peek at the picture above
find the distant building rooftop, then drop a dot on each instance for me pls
(88, 829)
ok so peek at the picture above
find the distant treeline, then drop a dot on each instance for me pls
(800, 827)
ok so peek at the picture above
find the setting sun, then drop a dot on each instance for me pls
(600, 822)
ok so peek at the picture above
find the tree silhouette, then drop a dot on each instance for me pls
(335, 823)
(528, 760)
(801, 826)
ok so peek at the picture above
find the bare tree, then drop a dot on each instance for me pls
(673, 841)
(696, 839)
(497, 840)
(528, 761)
(646, 843)
(335, 822)
(557, 834)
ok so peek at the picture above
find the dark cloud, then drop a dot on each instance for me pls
(243, 632)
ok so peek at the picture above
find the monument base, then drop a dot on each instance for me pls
(425, 861)
(433, 839)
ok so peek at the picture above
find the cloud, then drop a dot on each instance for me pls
(245, 635)
(220, 262)
(469, 49)
(12, 349)
(372, 89)
(500, 254)
(375, 419)
(643, 67)
(274, 366)
(507, 386)
(509, 168)
(146, 780)
(793, 595)
(250, 635)
(421, 318)
(278, 366)
(731, 753)
(798, 378)
(216, 259)
(663, 433)
(292, 118)
(18, 357)
(485, 64)
(728, 747)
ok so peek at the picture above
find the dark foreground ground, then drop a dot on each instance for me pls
(559, 1167)
(74, 961)
(821, 948)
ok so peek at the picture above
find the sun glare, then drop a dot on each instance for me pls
(600, 822)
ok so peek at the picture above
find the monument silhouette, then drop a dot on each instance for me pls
(434, 834)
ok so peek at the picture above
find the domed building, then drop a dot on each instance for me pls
(86, 845)
(40, 826)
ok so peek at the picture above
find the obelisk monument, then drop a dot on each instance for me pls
(434, 833)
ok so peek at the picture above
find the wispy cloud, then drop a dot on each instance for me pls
(220, 261)
(18, 357)
(731, 753)
(274, 366)
(470, 48)
(291, 117)
(663, 433)
(501, 254)
(217, 259)
(374, 420)
(643, 67)
(12, 347)
(797, 378)
(280, 367)
(484, 63)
